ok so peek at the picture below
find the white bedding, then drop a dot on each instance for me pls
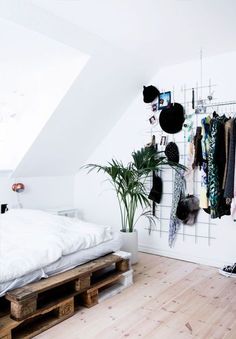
(65, 263)
(32, 239)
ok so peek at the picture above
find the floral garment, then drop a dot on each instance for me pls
(204, 203)
(216, 166)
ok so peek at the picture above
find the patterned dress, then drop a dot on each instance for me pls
(204, 203)
(216, 166)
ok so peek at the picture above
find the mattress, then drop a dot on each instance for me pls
(65, 263)
(32, 239)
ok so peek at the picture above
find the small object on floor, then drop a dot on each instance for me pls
(228, 271)
(189, 327)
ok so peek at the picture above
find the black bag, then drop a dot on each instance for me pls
(187, 210)
(156, 191)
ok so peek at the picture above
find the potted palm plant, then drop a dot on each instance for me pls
(130, 185)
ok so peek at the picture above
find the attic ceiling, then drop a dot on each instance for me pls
(34, 82)
(128, 41)
(156, 32)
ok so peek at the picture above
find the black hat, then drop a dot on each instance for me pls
(171, 119)
(172, 152)
(150, 93)
(156, 191)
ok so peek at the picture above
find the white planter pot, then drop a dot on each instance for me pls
(130, 244)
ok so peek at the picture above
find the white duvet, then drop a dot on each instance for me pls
(32, 239)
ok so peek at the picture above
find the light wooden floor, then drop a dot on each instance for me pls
(170, 299)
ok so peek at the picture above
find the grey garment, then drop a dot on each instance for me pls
(174, 221)
(229, 182)
(228, 130)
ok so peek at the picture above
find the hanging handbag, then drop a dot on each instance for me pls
(188, 209)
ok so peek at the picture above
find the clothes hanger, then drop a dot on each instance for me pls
(214, 114)
(229, 112)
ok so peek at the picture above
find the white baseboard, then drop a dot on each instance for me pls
(180, 256)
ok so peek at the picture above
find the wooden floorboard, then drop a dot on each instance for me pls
(169, 299)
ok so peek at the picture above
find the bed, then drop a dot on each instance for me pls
(35, 245)
(81, 262)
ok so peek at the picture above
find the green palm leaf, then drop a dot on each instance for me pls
(129, 182)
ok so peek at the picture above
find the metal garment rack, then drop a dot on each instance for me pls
(162, 222)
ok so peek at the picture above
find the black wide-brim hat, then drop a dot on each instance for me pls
(171, 119)
(150, 93)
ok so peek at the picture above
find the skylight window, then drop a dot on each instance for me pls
(35, 74)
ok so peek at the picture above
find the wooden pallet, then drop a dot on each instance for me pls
(40, 305)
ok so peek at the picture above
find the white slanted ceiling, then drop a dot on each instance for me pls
(127, 41)
(91, 106)
(35, 74)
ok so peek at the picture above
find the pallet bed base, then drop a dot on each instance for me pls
(38, 306)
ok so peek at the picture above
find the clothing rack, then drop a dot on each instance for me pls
(215, 104)
(204, 228)
(223, 103)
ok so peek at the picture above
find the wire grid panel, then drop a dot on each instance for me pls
(204, 227)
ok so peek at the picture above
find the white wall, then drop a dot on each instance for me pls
(97, 202)
(40, 192)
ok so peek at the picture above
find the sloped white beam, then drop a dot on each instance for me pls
(37, 19)
(91, 107)
(93, 104)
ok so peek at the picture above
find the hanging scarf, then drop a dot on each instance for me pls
(174, 221)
